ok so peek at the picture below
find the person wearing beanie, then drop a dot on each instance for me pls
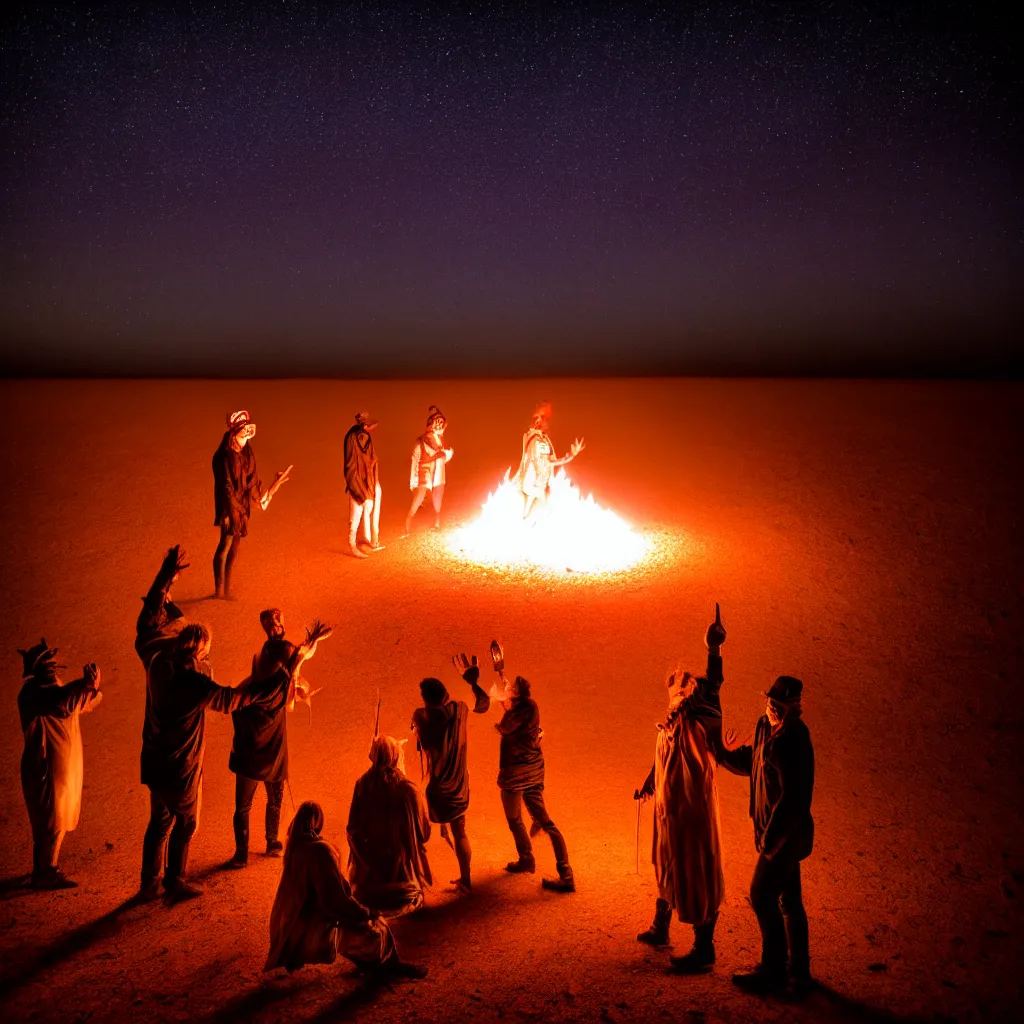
(427, 473)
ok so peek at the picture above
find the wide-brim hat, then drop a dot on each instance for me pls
(785, 690)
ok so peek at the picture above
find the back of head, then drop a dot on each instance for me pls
(433, 692)
(387, 755)
(193, 642)
(272, 622)
(306, 826)
(522, 688)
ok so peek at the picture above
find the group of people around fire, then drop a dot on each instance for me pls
(321, 910)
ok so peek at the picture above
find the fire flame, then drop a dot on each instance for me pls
(573, 532)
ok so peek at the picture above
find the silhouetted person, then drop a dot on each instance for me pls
(236, 484)
(362, 483)
(259, 751)
(52, 763)
(440, 727)
(179, 691)
(388, 829)
(521, 781)
(314, 917)
(780, 764)
(427, 473)
(687, 847)
(538, 463)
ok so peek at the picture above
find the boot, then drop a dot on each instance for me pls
(52, 879)
(178, 890)
(563, 883)
(525, 865)
(241, 856)
(354, 547)
(657, 934)
(761, 979)
(274, 847)
(701, 958)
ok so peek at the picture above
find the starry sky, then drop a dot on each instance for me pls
(378, 189)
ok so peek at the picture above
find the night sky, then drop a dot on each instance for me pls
(399, 190)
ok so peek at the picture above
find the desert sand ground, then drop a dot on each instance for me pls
(863, 536)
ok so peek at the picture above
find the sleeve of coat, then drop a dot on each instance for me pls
(739, 761)
(796, 775)
(332, 890)
(230, 698)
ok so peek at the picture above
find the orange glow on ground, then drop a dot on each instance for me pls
(572, 533)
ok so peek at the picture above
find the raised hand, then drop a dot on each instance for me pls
(715, 636)
(467, 667)
(91, 674)
(314, 634)
(577, 446)
(174, 561)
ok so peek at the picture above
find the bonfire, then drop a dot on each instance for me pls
(572, 532)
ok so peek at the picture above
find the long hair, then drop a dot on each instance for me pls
(388, 757)
(191, 640)
(306, 826)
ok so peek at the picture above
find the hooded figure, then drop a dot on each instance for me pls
(314, 917)
(362, 484)
(236, 484)
(52, 763)
(687, 846)
(427, 472)
(388, 829)
(538, 462)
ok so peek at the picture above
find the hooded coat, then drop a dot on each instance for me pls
(52, 764)
(361, 474)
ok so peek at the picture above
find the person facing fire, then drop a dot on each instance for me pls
(687, 846)
(315, 917)
(52, 763)
(236, 484)
(388, 829)
(427, 473)
(362, 484)
(521, 780)
(780, 765)
(440, 727)
(538, 462)
(179, 691)
(259, 751)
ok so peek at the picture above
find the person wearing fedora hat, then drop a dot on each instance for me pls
(427, 473)
(362, 484)
(780, 765)
(51, 764)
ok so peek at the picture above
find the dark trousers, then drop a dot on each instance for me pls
(777, 899)
(512, 801)
(224, 559)
(245, 791)
(171, 828)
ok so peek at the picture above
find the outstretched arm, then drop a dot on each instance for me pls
(157, 610)
(470, 671)
(574, 449)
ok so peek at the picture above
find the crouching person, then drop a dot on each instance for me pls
(315, 918)
(388, 828)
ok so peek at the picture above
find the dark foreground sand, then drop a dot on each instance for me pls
(862, 536)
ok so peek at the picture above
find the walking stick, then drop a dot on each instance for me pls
(288, 783)
(639, 804)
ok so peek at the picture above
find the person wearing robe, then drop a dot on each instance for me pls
(687, 846)
(780, 765)
(315, 917)
(440, 727)
(521, 781)
(52, 763)
(538, 462)
(236, 484)
(362, 484)
(388, 828)
(179, 691)
(259, 751)
(427, 472)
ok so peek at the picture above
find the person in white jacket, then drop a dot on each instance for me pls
(427, 473)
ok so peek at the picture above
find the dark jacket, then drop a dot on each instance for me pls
(520, 761)
(235, 485)
(360, 464)
(260, 747)
(781, 770)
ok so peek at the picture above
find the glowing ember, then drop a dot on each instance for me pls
(573, 532)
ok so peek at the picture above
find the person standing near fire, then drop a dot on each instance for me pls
(538, 462)
(362, 484)
(427, 472)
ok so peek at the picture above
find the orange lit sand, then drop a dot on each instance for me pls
(865, 537)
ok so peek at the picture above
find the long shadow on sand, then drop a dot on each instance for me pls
(825, 1003)
(246, 1005)
(75, 941)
